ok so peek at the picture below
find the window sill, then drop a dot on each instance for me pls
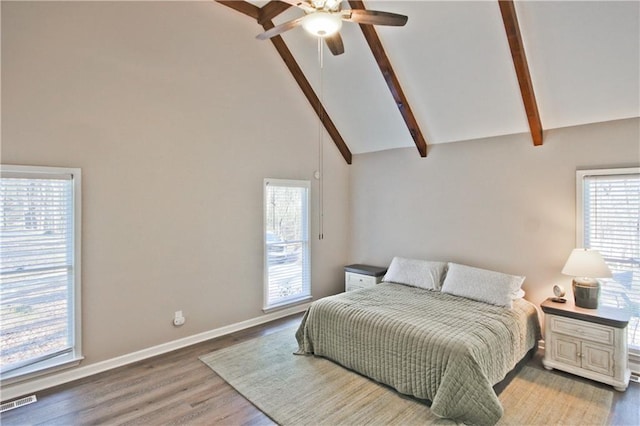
(287, 304)
(40, 369)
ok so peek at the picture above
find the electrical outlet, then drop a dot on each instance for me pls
(178, 319)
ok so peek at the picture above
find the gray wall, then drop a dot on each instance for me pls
(498, 203)
(174, 134)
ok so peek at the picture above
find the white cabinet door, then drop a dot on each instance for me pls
(566, 350)
(598, 358)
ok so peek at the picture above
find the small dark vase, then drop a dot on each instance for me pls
(586, 294)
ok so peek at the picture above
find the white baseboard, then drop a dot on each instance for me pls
(31, 386)
(634, 364)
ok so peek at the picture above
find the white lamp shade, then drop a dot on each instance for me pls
(586, 263)
(322, 24)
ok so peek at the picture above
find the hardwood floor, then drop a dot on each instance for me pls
(177, 388)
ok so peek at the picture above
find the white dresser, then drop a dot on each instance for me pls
(359, 276)
(591, 343)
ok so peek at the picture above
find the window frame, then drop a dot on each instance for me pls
(306, 243)
(634, 354)
(75, 355)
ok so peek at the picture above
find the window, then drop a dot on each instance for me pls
(40, 269)
(286, 242)
(608, 205)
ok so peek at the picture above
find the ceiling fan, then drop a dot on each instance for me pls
(323, 18)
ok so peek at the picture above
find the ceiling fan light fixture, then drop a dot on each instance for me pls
(322, 24)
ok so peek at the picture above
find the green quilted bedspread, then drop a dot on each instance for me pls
(431, 345)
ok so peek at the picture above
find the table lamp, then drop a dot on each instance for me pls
(585, 266)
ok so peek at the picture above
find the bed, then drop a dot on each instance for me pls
(426, 343)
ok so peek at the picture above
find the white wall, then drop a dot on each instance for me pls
(498, 203)
(174, 132)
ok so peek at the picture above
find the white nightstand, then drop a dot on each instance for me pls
(591, 343)
(361, 276)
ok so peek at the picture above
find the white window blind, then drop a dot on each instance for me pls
(610, 213)
(286, 242)
(39, 275)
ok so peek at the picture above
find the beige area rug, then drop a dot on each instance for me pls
(306, 390)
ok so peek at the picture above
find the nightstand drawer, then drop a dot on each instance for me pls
(359, 281)
(583, 330)
(359, 276)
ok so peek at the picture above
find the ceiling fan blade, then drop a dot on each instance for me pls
(279, 29)
(301, 4)
(335, 45)
(374, 17)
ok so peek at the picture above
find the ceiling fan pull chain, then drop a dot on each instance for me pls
(321, 144)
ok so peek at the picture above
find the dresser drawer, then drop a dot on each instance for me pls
(582, 330)
(356, 281)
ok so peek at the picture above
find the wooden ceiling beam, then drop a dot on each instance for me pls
(242, 7)
(508, 11)
(260, 15)
(393, 83)
(308, 91)
(271, 10)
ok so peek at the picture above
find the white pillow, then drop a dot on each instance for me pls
(491, 287)
(417, 273)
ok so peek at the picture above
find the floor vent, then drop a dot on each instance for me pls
(635, 378)
(17, 403)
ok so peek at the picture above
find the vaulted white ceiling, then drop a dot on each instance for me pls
(454, 65)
